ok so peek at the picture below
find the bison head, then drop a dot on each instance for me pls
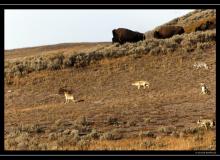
(181, 31)
(157, 34)
(115, 37)
(114, 40)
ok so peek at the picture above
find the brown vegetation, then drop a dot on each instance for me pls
(111, 114)
(180, 43)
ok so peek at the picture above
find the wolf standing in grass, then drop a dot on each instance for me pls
(204, 89)
(198, 65)
(141, 83)
(207, 123)
(69, 97)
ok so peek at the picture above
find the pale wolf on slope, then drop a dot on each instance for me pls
(207, 123)
(204, 89)
(198, 65)
(69, 97)
(141, 83)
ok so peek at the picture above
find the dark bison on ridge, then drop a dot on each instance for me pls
(123, 35)
(168, 31)
(205, 26)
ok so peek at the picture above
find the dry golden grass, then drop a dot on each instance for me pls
(105, 87)
(42, 50)
(111, 113)
(191, 142)
(192, 26)
(163, 143)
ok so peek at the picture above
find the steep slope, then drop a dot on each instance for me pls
(190, 21)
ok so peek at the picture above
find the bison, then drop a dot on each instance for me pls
(168, 31)
(123, 35)
(205, 26)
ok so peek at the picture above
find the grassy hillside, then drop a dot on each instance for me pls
(190, 21)
(111, 114)
(194, 19)
(55, 60)
(41, 50)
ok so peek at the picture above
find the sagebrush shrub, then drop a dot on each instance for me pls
(185, 43)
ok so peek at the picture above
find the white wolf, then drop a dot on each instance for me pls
(207, 123)
(141, 83)
(204, 89)
(69, 97)
(198, 65)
